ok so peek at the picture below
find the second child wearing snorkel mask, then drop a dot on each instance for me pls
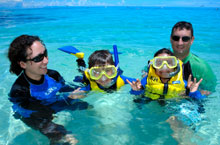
(164, 79)
(102, 74)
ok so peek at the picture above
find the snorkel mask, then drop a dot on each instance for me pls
(166, 62)
(104, 73)
(109, 71)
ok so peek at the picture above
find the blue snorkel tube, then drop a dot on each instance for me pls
(115, 51)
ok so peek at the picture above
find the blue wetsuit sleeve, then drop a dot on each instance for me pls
(196, 94)
(25, 105)
(124, 78)
(65, 87)
(140, 92)
(20, 95)
(86, 88)
(144, 81)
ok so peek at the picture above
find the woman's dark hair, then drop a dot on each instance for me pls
(18, 51)
(164, 50)
(182, 25)
(100, 58)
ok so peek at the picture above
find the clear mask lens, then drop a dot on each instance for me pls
(161, 61)
(108, 71)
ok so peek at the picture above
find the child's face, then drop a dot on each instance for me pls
(165, 70)
(103, 75)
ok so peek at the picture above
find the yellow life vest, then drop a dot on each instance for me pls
(94, 86)
(155, 88)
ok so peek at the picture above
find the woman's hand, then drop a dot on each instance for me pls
(77, 94)
(193, 85)
(135, 85)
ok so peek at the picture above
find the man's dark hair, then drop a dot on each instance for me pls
(182, 25)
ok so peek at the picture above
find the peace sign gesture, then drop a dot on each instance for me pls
(135, 85)
(193, 85)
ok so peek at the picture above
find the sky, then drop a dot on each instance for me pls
(162, 3)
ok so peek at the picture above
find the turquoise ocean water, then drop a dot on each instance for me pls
(138, 32)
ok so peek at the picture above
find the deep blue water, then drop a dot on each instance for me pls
(138, 32)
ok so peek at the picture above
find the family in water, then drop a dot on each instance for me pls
(38, 93)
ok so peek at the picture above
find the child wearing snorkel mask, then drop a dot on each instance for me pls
(102, 74)
(164, 79)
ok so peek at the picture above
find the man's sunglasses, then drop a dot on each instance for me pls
(184, 38)
(38, 58)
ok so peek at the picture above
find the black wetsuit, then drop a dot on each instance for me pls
(35, 102)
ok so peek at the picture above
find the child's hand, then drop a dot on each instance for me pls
(193, 86)
(77, 94)
(135, 85)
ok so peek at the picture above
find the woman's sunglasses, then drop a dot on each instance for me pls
(38, 58)
(184, 38)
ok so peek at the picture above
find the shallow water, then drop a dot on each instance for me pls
(138, 32)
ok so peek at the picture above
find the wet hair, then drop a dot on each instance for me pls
(182, 25)
(18, 51)
(164, 50)
(100, 58)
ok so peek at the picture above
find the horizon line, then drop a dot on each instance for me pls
(161, 6)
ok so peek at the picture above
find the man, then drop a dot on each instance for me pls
(181, 39)
(35, 92)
